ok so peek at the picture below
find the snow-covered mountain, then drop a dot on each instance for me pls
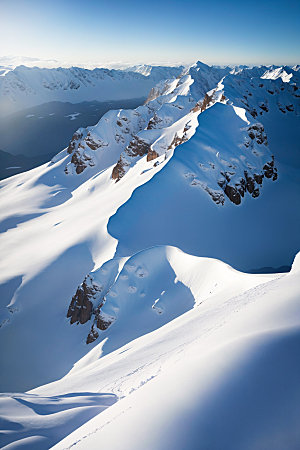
(97, 262)
(24, 87)
(224, 373)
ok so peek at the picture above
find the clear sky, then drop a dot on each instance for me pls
(152, 31)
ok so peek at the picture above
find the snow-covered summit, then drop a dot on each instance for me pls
(170, 117)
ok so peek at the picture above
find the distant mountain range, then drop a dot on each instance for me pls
(24, 87)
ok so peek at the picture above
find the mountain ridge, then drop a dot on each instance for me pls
(94, 262)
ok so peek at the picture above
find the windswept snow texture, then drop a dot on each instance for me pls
(223, 375)
(38, 422)
(209, 165)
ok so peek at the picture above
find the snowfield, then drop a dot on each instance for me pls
(230, 381)
(224, 373)
(127, 316)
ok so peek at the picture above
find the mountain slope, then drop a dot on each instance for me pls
(198, 173)
(234, 385)
(237, 346)
(230, 380)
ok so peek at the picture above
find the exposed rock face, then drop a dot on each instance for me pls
(102, 321)
(113, 139)
(152, 154)
(161, 88)
(153, 94)
(154, 122)
(81, 147)
(81, 306)
(270, 170)
(167, 103)
(250, 183)
(137, 148)
(203, 104)
(232, 193)
(90, 297)
(257, 132)
(267, 94)
(157, 91)
(177, 141)
(118, 171)
(76, 137)
(252, 179)
(237, 173)
(253, 112)
(92, 336)
(81, 161)
(206, 101)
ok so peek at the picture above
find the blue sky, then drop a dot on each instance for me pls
(155, 31)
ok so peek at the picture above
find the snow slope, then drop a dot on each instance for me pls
(24, 87)
(223, 375)
(45, 420)
(191, 168)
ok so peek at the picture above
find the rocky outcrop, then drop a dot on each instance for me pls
(105, 141)
(118, 171)
(81, 161)
(257, 132)
(251, 182)
(153, 94)
(74, 141)
(81, 306)
(177, 141)
(270, 170)
(81, 147)
(152, 154)
(154, 122)
(86, 305)
(253, 112)
(241, 172)
(232, 193)
(137, 148)
(161, 88)
(92, 336)
(203, 104)
(102, 321)
(180, 140)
